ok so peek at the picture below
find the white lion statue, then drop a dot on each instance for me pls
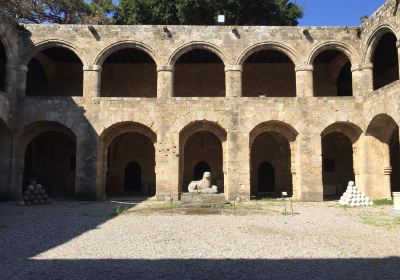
(203, 186)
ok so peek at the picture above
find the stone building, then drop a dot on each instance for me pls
(96, 111)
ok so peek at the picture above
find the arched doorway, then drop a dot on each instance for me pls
(337, 164)
(266, 178)
(270, 159)
(55, 71)
(133, 177)
(5, 160)
(199, 169)
(129, 72)
(3, 70)
(385, 61)
(50, 159)
(199, 73)
(129, 160)
(269, 73)
(332, 74)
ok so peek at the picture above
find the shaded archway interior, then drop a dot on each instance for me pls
(50, 159)
(385, 61)
(3, 70)
(269, 73)
(203, 150)
(337, 164)
(130, 165)
(199, 73)
(332, 74)
(129, 72)
(270, 167)
(55, 71)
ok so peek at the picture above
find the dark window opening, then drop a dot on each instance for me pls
(266, 178)
(199, 170)
(329, 165)
(3, 70)
(133, 177)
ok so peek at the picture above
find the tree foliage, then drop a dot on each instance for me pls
(205, 12)
(59, 11)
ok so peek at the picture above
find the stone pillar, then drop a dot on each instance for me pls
(233, 81)
(167, 167)
(396, 201)
(309, 168)
(11, 77)
(87, 183)
(363, 81)
(22, 72)
(398, 53)
(91, 80)
(304, 81)
(165, 81)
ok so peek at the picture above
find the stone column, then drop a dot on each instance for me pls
(304, 81)
(11, 77)
(22, 72)
(165, 81)
(309, 168)
(87, 183)
(233, 81)
(398, 53)
(91, 80)
(363, 81)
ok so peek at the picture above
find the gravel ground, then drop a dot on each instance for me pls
(82, 240)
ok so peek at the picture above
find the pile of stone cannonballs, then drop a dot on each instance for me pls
(353, 197)
(35, 195)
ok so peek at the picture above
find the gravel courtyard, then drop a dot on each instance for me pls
(83, 240)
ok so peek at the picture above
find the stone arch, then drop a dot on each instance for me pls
(212, 137)
(276, 46)
(346, 49)
(197, 45)
(118, 148)
(128, 69)
(55, 68)
(106, 52)
(59, 142)
(43, 45)
(340, 157)
(7, 79)
(382, 156)
(273, 142)
(374, 39)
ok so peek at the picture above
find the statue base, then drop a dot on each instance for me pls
(203, 200)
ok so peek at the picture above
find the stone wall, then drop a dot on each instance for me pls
(178, 107)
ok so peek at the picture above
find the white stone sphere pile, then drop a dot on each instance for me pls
(353, 197)
(35, 195)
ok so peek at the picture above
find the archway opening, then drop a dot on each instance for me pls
(129, 73)
(270, 165)
(199, 169)
(202, 151)
(386, 61)
(337, 164)
(133, 177)
(332, 74)
(269, 73)
(130, 165)
(199, 73)
(3, 69)
(394, 150)
(55, 71)
(50, 159)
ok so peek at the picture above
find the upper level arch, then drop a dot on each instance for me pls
(198, 45)
(267, 46)
(374, 39)
(113, 48)
(346, 49)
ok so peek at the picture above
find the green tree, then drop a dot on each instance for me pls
(205, 12)
(59, 11)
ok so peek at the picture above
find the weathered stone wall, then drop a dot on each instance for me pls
(301, 119)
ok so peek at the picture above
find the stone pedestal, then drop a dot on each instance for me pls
(202, 200)
(396, 201)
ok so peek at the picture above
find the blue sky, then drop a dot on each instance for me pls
(336, 12)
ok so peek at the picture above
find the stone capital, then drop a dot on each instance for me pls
(398, 44)
(96, 68)
(165, 68)
(22, 68)
(364, 66)
(299, 68)
(234, 68)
